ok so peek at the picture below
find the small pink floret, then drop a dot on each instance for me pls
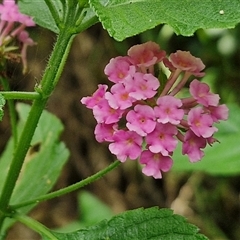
(192, 146)
(162, 139)
(97, 97)
(119, 97)
(104, 132)
(141, 120)
(201, 123)
(218, 113)
(118, 68)
(168, 110)
(146, 54)
(201, 92)
(185, 61)
(155, 163)
(142, 86)
(104, 113)
(127, 144)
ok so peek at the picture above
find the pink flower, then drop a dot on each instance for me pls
(141, 120)
(162, 140)
(185, 61)
(192, 146)
(201, 92)
(126, 144)
(155, 163)
(118, 68)
(168, 110)
(97, 97)
(119, 97)
(201, 124)
(104, 132)
(142, 86)
(219, 112)
(146, 54)
(106, 114)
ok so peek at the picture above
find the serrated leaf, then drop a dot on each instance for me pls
(2, 103)
(222, 158)
(43, 163)
(125, 18)
(152, 224)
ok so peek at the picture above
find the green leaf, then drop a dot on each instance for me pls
(125, 18)
(2, 103)
(43, 163)
(151, 224)
(222, 158)
(41, 13)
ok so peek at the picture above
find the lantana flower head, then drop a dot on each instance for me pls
(142, 119)
(12, 28)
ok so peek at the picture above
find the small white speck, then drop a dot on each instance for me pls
(221, 12)
(150, 20)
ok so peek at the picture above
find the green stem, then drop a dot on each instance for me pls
(12, 111)
(35, 225)
(70, 188)
(53, 70)
(8, 95)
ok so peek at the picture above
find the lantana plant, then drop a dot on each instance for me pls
(154, 103)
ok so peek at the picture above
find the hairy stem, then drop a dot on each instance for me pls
(50, 78)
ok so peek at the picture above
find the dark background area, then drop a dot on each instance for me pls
(212, 203)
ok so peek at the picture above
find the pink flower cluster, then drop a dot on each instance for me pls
(143, 119)
(12, 28)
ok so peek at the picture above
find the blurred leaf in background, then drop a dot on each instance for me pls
(44, 161)
(90, 210)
